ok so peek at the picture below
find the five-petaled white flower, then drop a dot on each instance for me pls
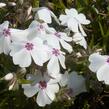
(74, 82)
(51, 36)
(100, 65)
(73, 20)
(28, 48)
(5, 38)
(45, 15)
(57, 58)
(44, 86)
(56, 38)
(78, 38)
(41, 28)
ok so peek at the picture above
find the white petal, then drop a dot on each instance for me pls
(66, 46)
(54, 88)
(15, 47)
(55, 78)
(43, 99)
(79, 39)
(45, 15)
(64, 79)
(103, 73)
(19, 35)
(51, 90)
(65, 37)
(96, 61)
(53, 65)
(32, 34)
(76, 83)
(37, 57)
(50, 94)
(29, 90)
(22, 58)
(63, 19)
(34, 24)
(4, 25)
(82, 19)
(49, 29)
(37, 41)
(39, 53)
(82, 31)
(7, 43)
(73, 25)
(71, 12)
(52, 41)
(62, 60)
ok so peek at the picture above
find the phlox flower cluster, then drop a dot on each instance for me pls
(41, 44)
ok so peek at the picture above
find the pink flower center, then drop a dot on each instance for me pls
(42, 84)
(108, 60)
(57, 34)
(6, 32)
(40, 27)
(56, 52)
(29, 46)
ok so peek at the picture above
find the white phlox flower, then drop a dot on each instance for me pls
(73, 20)
(51, 37)
(58, 39)
(78, 38)
(57, 58)
(44, 86)
(5, 38)
(100, 65)
(73, 81)
(28, 48)
(41, 28)
(45, 15)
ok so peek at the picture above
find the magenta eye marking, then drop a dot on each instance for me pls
(42, 84)
(56, 52)
(108, 60)
(57, 34)
(6, 32)
(29, 46)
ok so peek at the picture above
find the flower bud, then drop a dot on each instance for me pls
(23, 70)
(8, 77)
(11, 3)
(2, 5)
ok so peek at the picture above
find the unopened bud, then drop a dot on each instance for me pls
(11, 86)
(78, 54)
(11, 3)
(23, 70)
(21, 1)
(2, 5)
(8, 77)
